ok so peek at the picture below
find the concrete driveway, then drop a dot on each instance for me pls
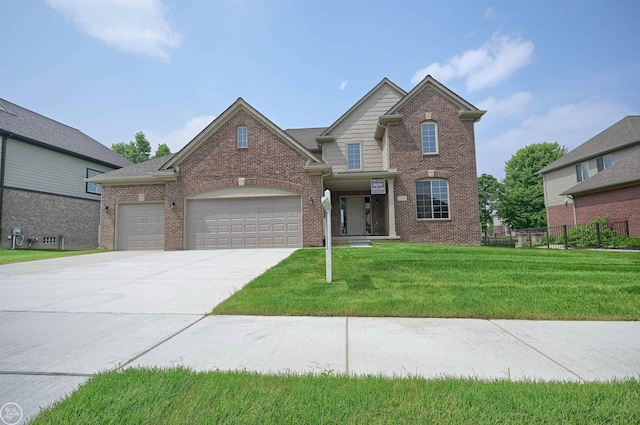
(65, 319)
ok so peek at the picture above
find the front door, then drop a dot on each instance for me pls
(355, 216)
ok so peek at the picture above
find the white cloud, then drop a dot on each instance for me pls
(510, 106)
(569, 125)
(484, 67)
(139, 27)
(490, 13)
(343, 84)
(177, 139)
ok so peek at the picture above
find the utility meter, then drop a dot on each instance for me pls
(16, 231)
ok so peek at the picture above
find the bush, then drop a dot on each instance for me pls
(587, 235)
(624, 242)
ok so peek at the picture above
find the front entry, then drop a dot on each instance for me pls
(355, 215)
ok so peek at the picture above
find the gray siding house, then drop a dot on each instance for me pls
(43, 166)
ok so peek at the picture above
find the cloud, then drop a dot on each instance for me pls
(490, 13)
(496, 60)
(343, 84)
(569, 125)
(139, 27)
(505, 107)
(177, 139)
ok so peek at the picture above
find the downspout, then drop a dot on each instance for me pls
(573, 202)
(2, 167)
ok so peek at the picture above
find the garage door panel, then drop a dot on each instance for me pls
(140, 226)
(244, 222)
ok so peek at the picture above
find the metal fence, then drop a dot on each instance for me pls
(591, 235)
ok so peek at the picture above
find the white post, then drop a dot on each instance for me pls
(392, 208)
(326, 204)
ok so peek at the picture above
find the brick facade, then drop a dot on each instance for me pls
(558, 215)
(42, 214)
(619, 204)
(455, 162)
(379, 224)
(217, 163)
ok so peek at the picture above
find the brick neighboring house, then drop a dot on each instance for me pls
(600, 177)
(43, 167)
(244, 182)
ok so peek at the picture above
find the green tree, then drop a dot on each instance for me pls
(490, 192)
(522, 205)
(162, 150)
(135, 151)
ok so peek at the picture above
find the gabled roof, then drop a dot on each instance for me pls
(30, 126)
(430, 81)
(238, 105)
(623, 172)
(306, 136)
(624, 133)
(384, 81)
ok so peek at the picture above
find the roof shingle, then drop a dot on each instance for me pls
(625, 171)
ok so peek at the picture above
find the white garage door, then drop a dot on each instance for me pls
(260, 222)
(140, 226)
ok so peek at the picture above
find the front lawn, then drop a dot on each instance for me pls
(19, 255)
(143, 396)
(416, 280)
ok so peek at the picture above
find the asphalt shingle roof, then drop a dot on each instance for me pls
(624, 132)
(139, 170)
(624, 171)
(306, 136)
(19, 121)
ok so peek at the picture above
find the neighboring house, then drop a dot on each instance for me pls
(42, 181)
(600, 177)
(399, 166)
(499, 227)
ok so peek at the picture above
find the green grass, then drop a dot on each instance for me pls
(142, 396)
(416, 280)
(19, 255)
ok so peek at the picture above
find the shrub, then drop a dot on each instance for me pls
(624, 242)
(587, 235)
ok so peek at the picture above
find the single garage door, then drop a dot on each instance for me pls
(140, 226)
(259, 222)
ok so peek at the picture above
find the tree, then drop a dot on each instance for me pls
(490, 192)
(162, 150)
(139, 150)
(522, 205)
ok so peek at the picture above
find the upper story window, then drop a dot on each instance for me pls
(604, 162)
(582, 171)
(429, 133)
(93, 187)
(242, 137)
(353, 156)
(432, 199)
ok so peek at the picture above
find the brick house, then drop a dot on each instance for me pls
(399, 166)
(43, 192)
(600, 177)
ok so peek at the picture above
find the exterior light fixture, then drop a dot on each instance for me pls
(106, 208)
(311, 201)
(173, 205)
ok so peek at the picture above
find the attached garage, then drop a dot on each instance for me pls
(244, 222)
(140, 226)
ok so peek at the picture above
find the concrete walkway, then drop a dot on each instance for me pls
(63, 320)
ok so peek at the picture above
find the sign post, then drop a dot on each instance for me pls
(326, 205)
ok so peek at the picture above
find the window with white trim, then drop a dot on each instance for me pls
(94, 188)
(432, 199)
(353, 156)
(582, 171)
(429, 134)
(242, 137)
(604, 162)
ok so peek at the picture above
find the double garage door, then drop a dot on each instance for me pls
(258, 222)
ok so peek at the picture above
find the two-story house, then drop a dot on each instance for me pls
(43, 192)
(600, 177)
(399, 165)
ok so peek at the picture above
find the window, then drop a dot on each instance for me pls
(242, 137)
(93, 187)
(604, 162)
(432, 198)
(582, 171)
(429, 138)
(353, 153)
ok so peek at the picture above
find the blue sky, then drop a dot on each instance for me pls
(545, 70)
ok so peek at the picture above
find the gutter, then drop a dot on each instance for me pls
(2, 168)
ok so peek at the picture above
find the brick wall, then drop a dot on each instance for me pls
(558, 215)
(40, 214)
(619, 204)
(217, 163)
(456, 162)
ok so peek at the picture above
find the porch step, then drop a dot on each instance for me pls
(359, 243)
